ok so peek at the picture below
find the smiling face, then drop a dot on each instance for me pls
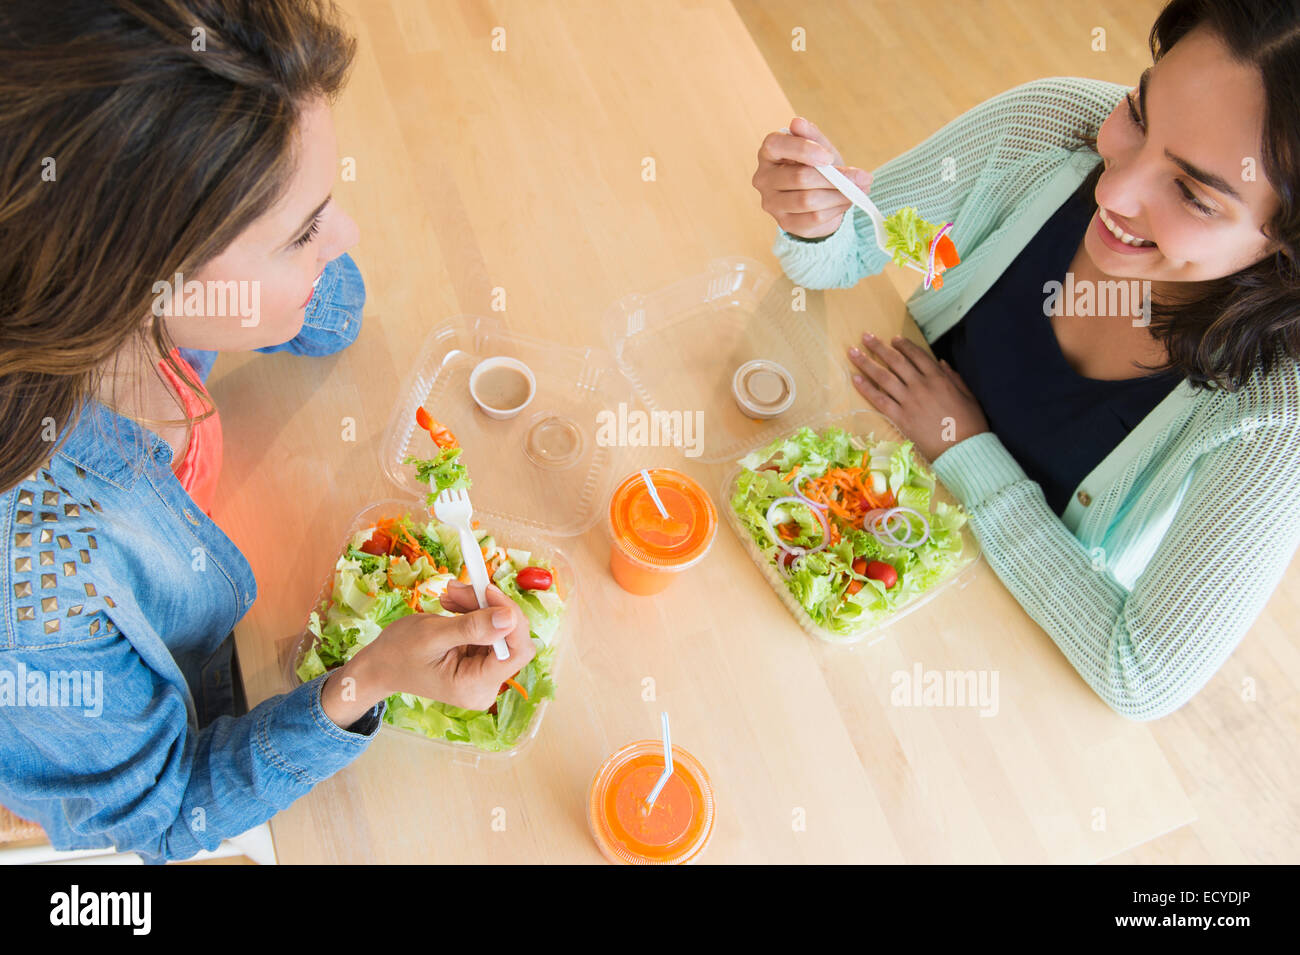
(1173, 151)
(280, 255)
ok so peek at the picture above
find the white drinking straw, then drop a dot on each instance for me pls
(668, 762)
(654, 494)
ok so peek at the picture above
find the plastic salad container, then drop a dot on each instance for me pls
(681, 347)
(529, 506)
(947, 557)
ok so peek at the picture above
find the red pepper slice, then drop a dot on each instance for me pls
(946, 252)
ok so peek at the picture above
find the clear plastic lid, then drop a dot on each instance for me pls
(863, 423)
(682, 345)
(674, 831)
(559, 474)
(675, 542)
(508, 534)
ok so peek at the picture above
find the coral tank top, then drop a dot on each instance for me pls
(200, 467)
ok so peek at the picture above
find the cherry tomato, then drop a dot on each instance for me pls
(534, 578)
(378, 545)
(885, 573)
(860, 566)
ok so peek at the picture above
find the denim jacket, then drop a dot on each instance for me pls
(116, 707)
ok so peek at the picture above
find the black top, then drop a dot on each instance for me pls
(1057, 424)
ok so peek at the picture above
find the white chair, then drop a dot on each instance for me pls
(21, 847)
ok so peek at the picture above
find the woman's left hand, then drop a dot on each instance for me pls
(926, 399)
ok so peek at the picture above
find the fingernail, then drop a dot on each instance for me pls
(503, 619)
(857, 379)
(867, 336)
(855, 352)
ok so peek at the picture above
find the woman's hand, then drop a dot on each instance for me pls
(444, 658)
(927, 400)
(795, 194)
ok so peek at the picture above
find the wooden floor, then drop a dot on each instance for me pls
(878, 76)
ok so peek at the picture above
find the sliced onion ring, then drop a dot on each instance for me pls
(934, 244)
(807, 500)
(785, 571)
(878, 523)
(782, 545)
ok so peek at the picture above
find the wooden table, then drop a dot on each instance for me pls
(522, 170)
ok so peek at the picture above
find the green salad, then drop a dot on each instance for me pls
(401, 566)
(909, 236)
(850, 524)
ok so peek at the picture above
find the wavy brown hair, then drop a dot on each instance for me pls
(138, 139)
(1248, 321)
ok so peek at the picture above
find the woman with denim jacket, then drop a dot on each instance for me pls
(166, 171)
(1132, 471)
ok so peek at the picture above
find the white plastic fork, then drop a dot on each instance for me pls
(453, 507)
(849, 190)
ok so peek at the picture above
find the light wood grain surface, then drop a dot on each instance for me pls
(523, 170)
(1236, 746)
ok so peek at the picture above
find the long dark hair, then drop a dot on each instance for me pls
(1248, 321)
(138, 139)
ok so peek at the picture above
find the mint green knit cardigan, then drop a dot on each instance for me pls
(1171, 547)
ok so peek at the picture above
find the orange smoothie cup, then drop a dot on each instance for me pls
(648, 552)
(679, 826)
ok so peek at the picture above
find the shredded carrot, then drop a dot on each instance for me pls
(517, 688)
(463, 576)
(474, 524)
(415, 544)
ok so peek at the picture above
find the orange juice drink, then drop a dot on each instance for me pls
(675, 831)
(648, 550)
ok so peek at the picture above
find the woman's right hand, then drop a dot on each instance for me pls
(795, 194)
(438, 657)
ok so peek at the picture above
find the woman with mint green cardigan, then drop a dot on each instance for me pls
(1171, 545)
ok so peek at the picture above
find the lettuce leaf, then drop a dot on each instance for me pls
(908, 237)
(440, 473)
